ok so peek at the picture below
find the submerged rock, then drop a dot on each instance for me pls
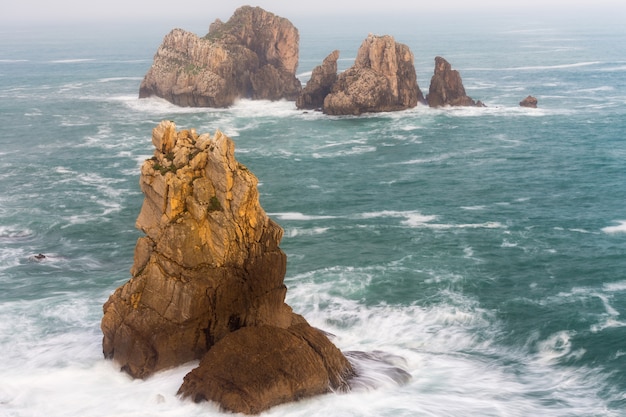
(252, 55)
(210, 265)
(446, 87)
(383, 78)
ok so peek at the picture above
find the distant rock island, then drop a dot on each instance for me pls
(252, 55)
(446, 87)
(255, 54)
(382, 79)
(530, 102)
(207, 284)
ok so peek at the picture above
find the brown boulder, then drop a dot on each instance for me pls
(446, 87)
(253, 55)
(255, 368)
(319, 85)
(382, 79)
(529, 101)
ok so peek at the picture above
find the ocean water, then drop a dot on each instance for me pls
(481, 250)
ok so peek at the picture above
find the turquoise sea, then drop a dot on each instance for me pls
(482, 250)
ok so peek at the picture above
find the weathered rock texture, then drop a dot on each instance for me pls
(253, 369)
(383, 78)
(208, 266)
(322, 79)
(529, 101)
(253, 55)
(446, 87)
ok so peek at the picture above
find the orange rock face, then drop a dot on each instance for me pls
(209, 265)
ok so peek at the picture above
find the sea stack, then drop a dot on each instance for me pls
(446, 87)
(382, 79)
(252, 55)
(208, 277)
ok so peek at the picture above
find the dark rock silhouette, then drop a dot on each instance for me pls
(322, 79)
(446, 87)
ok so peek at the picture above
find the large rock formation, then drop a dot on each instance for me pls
(209, 266)
(383, 78)
(446, 87)
(253, 55)
(322, 79)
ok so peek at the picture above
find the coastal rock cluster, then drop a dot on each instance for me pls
(255, 55)
(207, 283)
(252, 55)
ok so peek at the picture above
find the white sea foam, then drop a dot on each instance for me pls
(540, 67)
(615, 286)
(292, 232)
(10, 257)
(14, 233)
(354, 150)
(159, 106)
(620, 228)
(449, 351)
(114, 79)
(473, 208)
(411, 218)
(295, 216)
(485, 225)
(304, 75)
(72, 61)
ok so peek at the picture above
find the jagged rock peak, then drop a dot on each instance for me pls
(383, 78)
(208, 276)
(252, 55)
(319, 85)
(273, 38)
(446, 87)
(209, 263)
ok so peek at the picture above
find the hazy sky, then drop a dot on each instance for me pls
(72, 10)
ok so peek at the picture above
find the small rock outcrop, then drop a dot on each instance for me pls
(208, 267)
(319, 85)
(529, 101)
(383, 78)
(255, 368)
(446, 87)
(252, 55)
